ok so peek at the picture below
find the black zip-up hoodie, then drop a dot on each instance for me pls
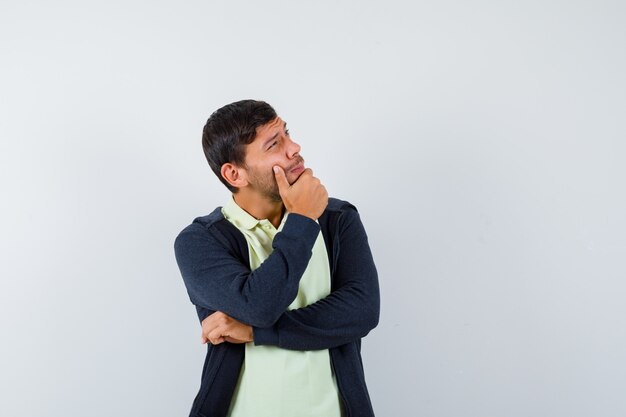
(213, 258)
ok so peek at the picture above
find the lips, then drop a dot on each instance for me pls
(298, 169)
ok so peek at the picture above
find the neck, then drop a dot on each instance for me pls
(261, 207)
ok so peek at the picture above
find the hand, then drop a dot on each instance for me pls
(220, 327)
(306, 196)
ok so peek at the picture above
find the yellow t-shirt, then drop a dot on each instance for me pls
(276, 382)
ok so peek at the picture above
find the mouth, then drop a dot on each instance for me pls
(298, 168)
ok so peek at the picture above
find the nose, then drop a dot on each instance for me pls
(293, 149)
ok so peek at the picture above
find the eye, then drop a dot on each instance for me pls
(272, 145)
(287, 132)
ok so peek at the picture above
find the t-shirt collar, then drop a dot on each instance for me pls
(240, 217)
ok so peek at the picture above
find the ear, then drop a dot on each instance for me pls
(234, 175)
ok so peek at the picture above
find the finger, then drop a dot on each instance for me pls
(212, 322)
(207, 329)
(216, 335)
(281, 179)
(234, 340)
(208, 323)
(216, 340)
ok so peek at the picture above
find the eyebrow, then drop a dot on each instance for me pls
(273, 137)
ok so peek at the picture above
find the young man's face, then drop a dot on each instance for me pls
(272, 146)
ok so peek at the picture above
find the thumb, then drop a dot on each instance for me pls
(281, 179)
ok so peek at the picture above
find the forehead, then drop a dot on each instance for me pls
(267, 130)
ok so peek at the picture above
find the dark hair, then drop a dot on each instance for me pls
(229, 129)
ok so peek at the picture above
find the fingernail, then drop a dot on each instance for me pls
(275, 168)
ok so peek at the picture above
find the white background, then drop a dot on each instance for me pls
(482, 142)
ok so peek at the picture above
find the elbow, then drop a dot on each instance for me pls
(372, 315)
(376, 319)
(373, 318)
(370, 321)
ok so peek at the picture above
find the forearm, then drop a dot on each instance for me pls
(333, 321)
(348, 313)
(217, 280)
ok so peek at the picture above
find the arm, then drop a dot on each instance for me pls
(348, 313)
(217, 280)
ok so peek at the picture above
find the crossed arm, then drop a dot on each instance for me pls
(217, 280)
(346, 314)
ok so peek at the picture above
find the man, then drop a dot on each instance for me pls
(282, 278)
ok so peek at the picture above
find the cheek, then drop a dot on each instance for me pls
(270, 165)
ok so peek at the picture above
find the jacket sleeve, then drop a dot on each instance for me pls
(346, 314)
(217, 280)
